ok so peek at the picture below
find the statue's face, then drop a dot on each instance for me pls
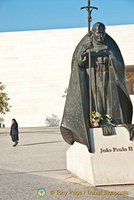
(99, 34)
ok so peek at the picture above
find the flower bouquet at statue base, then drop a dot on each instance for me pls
(101, 120)
(104, 121)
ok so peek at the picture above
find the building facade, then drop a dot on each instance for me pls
(35, 66)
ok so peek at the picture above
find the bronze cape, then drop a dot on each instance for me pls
(75, 121)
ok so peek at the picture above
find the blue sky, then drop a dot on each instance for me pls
(20, 15)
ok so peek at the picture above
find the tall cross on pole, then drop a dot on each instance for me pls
(90, 9)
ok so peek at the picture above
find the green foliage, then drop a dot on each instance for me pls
(4, 105)
(107, 117)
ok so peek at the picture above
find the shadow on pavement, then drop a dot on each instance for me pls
(51, 170)
(40, 143)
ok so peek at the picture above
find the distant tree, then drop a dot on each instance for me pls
(52, 121)
(4, 105)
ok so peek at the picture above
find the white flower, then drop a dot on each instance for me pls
(96, 123)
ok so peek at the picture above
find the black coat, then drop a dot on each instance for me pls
(14, 129)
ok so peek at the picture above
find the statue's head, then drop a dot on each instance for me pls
(98, 31)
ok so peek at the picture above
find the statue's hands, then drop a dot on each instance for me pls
(84, 54)
(102, 60)
(107, 130)
(88, 45)
(83, 58)
(85, 49)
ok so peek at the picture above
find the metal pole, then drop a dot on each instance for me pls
(89, 66)
(89, 17)
(89, 9)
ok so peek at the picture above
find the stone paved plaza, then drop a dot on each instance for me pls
(39, 162)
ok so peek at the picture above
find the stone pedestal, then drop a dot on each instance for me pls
(111, 163)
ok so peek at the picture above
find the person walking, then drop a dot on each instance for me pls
(14, 132)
